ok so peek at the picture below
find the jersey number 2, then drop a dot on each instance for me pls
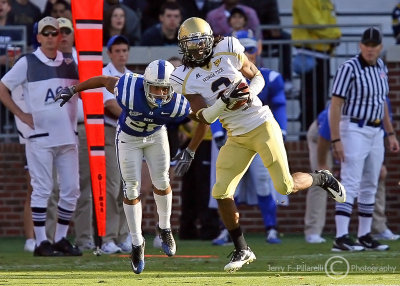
(216, 84)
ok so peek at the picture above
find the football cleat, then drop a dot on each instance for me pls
(65, 247)
(168, 243)
(371, 244)
(334, 188)
(137, 258)
(272, 236)
(46, 249)
(345, 243)
(239, 258)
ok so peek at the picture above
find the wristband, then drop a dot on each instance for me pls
(391, 134)
(336, 140)
(191, 153)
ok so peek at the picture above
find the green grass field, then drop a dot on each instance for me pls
(199, 263)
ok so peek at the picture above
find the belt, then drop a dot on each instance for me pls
(361, 122)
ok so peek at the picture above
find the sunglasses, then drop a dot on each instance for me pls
(65, 31)
(52, 33)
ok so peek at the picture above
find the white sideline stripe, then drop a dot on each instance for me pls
(87, 26)
(91, 58)
(97, 153)
(95, 121)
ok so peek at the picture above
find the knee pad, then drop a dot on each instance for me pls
(161, 184)
(131, 190)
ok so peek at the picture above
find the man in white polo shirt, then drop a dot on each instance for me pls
(52, 138)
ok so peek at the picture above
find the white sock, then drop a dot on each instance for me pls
(364, 225)
(342, 225)
(133, 215)
(164, 206)
(40, 234)
(61, 231)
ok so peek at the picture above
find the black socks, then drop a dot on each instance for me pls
(238, 238)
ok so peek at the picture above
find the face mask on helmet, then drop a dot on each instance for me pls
(157, 88)
(195, 39)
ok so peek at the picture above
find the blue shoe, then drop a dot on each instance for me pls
(168, 243)
(272, 236)
(223, 238)
(137, 258)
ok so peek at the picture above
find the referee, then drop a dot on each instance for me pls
(357, 113)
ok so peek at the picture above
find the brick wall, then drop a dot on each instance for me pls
(290, 219)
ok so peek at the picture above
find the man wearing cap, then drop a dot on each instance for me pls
(52, 138)
(117, 238)
(358, 112)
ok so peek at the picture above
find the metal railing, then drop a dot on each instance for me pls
(13, 43)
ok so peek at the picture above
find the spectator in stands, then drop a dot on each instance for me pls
(268, 13)
(115, 23)
(197, 8)
(26, 13)
(218, 18)
(61, 9)
(131, 27)
(237, 20)
(396, 23)
(151, 13)
(6, 19)
(164, 33)
(314, 81)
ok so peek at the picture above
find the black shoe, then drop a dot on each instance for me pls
(46, 249)
(345, 243)
(67, 248)
(334, 188)
(137, 258)
(239, 258)
(371, 244)
(168, 243)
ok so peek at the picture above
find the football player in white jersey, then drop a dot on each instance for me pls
(148, 102)
(211, 70)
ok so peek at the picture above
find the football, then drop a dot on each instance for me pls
(240, 103)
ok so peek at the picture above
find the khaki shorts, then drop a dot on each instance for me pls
(236, 155)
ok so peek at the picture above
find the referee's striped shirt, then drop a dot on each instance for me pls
(363, 87)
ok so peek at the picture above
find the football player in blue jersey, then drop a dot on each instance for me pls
(148, 102)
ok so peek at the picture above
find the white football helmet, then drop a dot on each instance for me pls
(157, 74)
(195, 39)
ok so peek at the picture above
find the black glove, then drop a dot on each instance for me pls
(220, 141)
(183, 161)
(65, 94)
